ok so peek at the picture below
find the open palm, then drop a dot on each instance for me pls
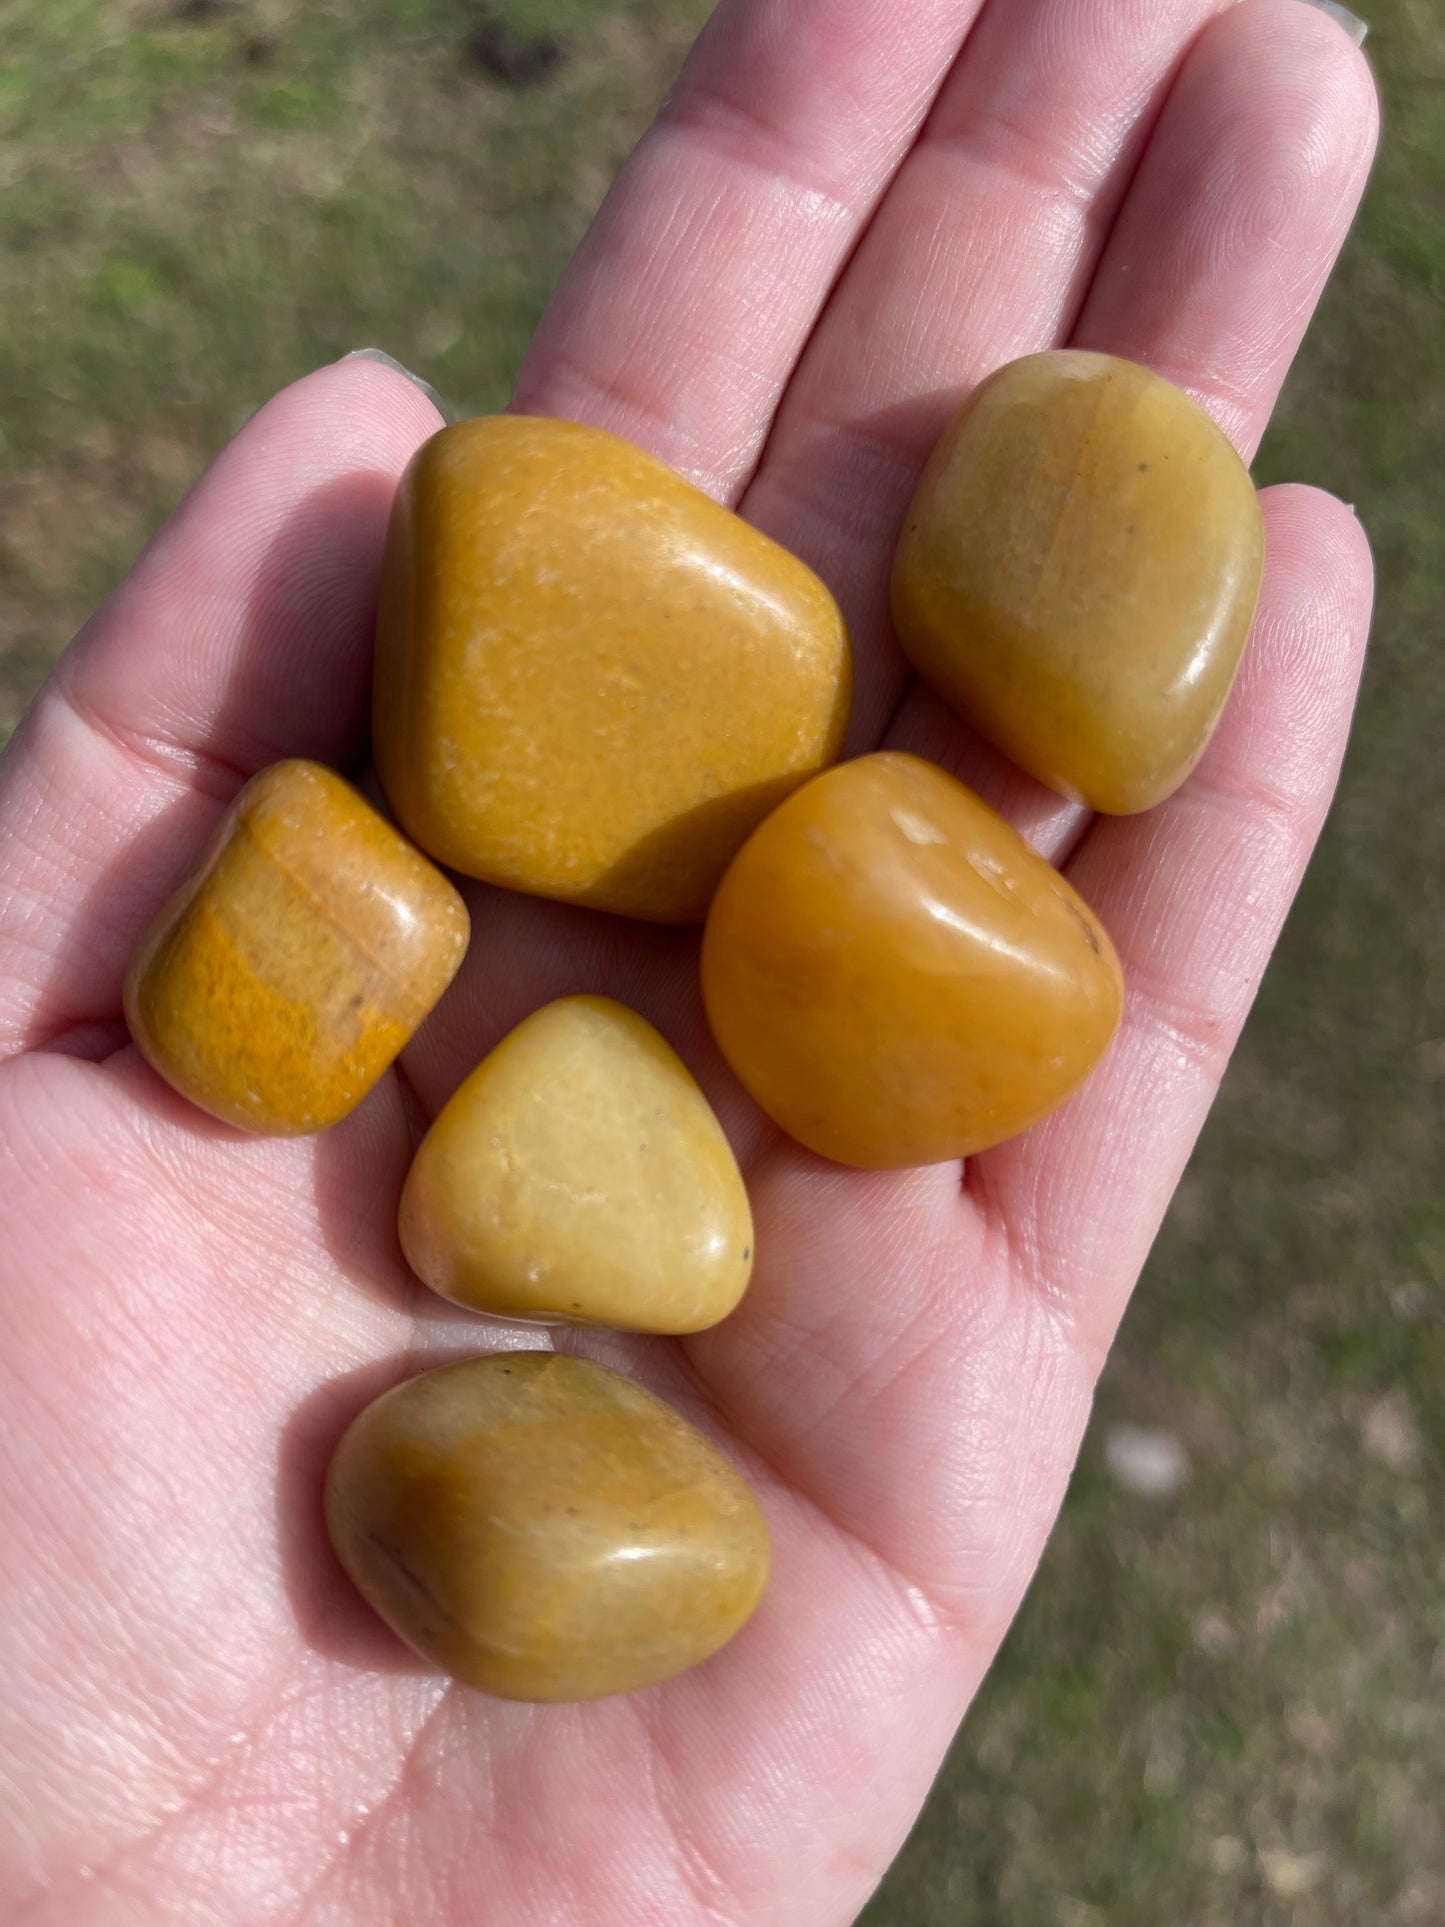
(847, 213)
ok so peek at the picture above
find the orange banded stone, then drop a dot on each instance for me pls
(284, 976)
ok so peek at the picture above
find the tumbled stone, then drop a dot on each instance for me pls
(540, 1527)
(1078, 574)
(896, 976)
(591, 680)
(288, 971)
(580, 1177)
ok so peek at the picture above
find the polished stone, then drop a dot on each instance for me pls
(580, 1177)
(540, 1527)
(896, 977)
(284, 976)
(1078, 574)
(592, 681)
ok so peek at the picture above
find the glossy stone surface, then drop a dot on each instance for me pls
(591, 680)
(1078, 574)
(896, 977)
(541, 1528)
(285, 974)
(580, 1177)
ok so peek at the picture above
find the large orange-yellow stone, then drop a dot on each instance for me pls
(287, 972)
(591, 680)
(542, 1528)
(896, 976)
(580, 1177)
(1078, 574)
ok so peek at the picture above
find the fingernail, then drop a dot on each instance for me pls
(1351, 22)
(447, 413)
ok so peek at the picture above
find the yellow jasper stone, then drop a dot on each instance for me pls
(579, 1177)
(896, 976)
(288, 971)
(591, 680)
(1078, 574)
(542, 1528)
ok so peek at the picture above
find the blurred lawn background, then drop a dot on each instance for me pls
(1225, 1699)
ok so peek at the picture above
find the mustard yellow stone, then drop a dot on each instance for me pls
(591, 680)
(580, 1177)
(1078, 574)
(542, 1528)
(896, 976)
(284, 976)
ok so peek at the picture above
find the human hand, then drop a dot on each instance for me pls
(805, 265)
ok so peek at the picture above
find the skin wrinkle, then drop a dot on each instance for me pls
(1027, 159)
(960, 1310)
(172, 1817)
(845, 150)
(1288, 817)
(772, 1806)
(733, 133)
(360, 1828)
(195, 769)
(702, 1876)
(544, 1862)
(241, 1802)
(719, 1429)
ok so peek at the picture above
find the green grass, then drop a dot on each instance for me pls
(1224, 1707)
(204, 208)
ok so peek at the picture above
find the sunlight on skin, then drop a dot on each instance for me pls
(793, 282)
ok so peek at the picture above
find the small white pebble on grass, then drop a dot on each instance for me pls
(1227, 1854)
(1079, 1913)
(1146, 1460)
(1214, 1635)
(1390, 1435)
(1290, 1875)
(1410, 1300)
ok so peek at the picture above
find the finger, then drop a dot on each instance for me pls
(1193, 894)
(243, 634)
(682, 315)
(982, 251)
(1238, 210)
